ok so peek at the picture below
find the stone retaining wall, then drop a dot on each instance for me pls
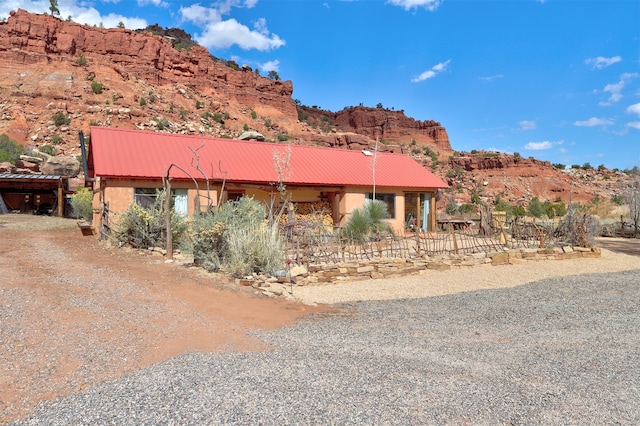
(395, 267)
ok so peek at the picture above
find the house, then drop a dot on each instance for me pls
(127, 166)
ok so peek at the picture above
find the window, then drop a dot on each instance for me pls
(146, 197)
(388, 199)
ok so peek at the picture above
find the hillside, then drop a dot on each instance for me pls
(153, 79)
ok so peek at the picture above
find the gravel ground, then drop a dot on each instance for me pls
(561, 350)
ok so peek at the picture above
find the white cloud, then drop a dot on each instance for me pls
(492, 77)
(435, 70)
(634, 124)
(221, 34)
(616, 88)
(527, 125)
(80, 12)
(270, 66)
(537, 146)
(430, 5)
(157, 3)
(634, 109)
(593, 122)
(601, 62)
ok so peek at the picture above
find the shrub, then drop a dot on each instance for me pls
(96, 87)
(282, 137)
(238, 239)
(56, 139)
(60, 119)
(143, 101)
(81, 61)
(559, 166)
(618, 199)
(47, 149)
(245, 127)
(267, 123)
(10, 150)
(254, 114)
(81, 203)
(183, 113)
(367, 223)
(578, 228)
(145, 227)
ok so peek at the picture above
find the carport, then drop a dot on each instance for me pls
(35, 194)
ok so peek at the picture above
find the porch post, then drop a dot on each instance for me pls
(60, 198)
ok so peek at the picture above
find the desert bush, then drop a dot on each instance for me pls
(56, 139)
(283, 137)
(237, 239)
(96, 87)
(81, 202)
(578, 227)
(367, 223)
(145, 227)
(47, 149)
(10, 150)
(60, 118)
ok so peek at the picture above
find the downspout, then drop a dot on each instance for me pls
(85, 166)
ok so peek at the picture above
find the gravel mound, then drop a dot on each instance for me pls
(557, 351)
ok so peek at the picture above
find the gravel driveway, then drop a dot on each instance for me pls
(562, 350)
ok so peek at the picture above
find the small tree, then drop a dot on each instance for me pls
(535, 208)
(10, 150)
(53, 7)
(273, 75)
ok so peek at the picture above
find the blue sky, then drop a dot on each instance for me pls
(558, 80)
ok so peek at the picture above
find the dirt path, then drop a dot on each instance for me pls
(74, 313)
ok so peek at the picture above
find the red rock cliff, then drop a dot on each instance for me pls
(393, 126)
(30, 38)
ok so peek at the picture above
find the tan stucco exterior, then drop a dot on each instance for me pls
(118, 194)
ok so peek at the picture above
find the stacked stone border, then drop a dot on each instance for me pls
(327, 274)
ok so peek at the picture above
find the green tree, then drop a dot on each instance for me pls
(120, 24)
(10, 150)
(273, 75)
(53, 7)
(535, 208)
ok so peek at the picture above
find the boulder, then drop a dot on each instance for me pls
(63, 166)
(7, 167)
(34, 167)
(245, 136)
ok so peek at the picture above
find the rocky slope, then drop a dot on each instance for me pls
(58, 78)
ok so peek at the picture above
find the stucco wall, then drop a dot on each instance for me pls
(119, 194)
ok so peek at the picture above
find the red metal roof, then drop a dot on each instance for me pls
(144, 154)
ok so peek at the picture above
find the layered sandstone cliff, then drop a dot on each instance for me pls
(28, 39)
